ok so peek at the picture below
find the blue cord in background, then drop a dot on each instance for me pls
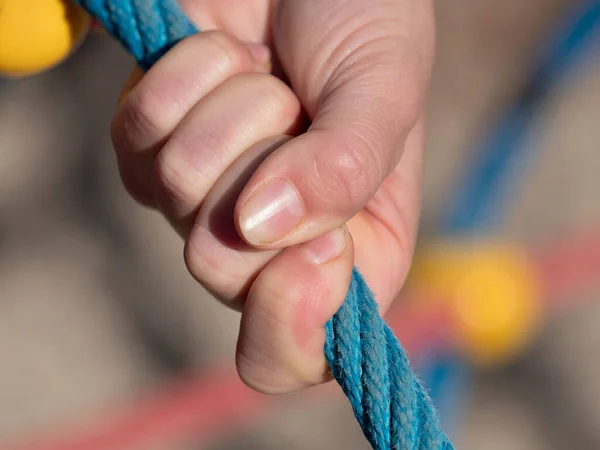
(479, 198)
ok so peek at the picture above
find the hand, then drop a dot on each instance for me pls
(275, 214)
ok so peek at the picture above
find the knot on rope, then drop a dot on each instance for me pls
(389, 402)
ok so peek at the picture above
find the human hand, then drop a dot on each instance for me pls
(275, 215)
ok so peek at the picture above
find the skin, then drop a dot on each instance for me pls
(322, 96)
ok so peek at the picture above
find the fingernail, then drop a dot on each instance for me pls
(260, 53)
(327, 247)
(271, 213)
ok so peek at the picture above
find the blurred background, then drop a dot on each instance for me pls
(98, 314)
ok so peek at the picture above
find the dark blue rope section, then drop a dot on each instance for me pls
(479, 197)
(365, 357)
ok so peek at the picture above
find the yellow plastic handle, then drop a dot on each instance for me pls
(36, 35)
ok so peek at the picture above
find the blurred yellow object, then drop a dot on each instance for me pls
(491, 292)
(35, 35)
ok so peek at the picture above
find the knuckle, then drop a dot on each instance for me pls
(199, 259)
(144, 110)
(284, 104)
(171, 181)
(277, 91)
(138, 124)
(227, 51)
(277, 101)
(348, 177)
(212, 267)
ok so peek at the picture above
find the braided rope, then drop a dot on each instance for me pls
(390, 404)
(146, 28)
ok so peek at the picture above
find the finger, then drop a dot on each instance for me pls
(280, 346)
(242, 111)
(152, 105)
(136, 76)
(215, 255)
(248, 20)
(364, 100)
(386, 231)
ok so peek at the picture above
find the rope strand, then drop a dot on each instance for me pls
(389, 403)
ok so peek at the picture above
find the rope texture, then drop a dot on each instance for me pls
(390, 404)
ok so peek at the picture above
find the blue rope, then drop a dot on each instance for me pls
(146, 28)
(365, 357)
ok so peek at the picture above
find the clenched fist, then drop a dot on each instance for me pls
(284, 143)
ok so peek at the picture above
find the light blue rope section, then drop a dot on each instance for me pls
(390, 404)
(146, 28)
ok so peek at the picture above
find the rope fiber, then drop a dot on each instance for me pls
(389, 402)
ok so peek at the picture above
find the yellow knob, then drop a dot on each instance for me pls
(35, 35)
(491, 293)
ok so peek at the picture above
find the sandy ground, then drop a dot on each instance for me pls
(95, 303)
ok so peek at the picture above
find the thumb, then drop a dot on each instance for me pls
(363, 87)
